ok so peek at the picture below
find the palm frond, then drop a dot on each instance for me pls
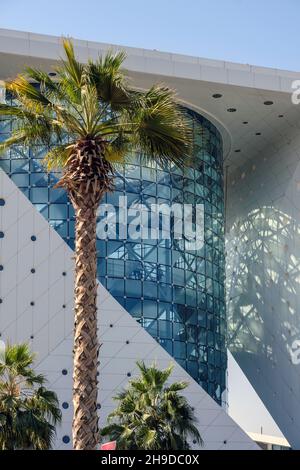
(110, 82)
(28, 411)
(95, 101)
(47, 86)
(119, 149)
(90, 107)
(16, 138)
(177, 386)
(163, 130)
(56, 158)
(74, 68)
(24, 90)
(151, 414)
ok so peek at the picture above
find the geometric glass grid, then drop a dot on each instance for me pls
(177, 295)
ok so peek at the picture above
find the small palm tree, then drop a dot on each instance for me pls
(152, 415)
(28, 411)
(90, 118)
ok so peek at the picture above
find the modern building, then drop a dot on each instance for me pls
(159, 300)
(266, 442)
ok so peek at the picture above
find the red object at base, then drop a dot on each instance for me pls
(109, 446)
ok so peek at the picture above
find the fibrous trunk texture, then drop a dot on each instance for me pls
(88, 175)
(85, 422)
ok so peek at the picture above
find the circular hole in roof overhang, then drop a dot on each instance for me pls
(231, 110)
(237, 150)
(258, 133)
(280, 115)
(52, 74)
(245, 122)
(217, 95)
(268, 103)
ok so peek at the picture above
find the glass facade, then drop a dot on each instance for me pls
(176, 294)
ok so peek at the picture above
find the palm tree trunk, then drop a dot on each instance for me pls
(85, 420)
(87, 177)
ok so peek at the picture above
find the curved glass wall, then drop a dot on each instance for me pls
(177, 294)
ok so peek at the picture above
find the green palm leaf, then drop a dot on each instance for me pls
(29, 412)
(151, 414)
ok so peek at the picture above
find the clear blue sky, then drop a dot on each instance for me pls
(261, 32)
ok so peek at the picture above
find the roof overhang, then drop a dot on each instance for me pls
(243, 87)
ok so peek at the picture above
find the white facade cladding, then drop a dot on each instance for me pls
(36, 307)
(260, 126)
(263, 260)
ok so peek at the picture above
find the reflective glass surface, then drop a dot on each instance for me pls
(176, 294)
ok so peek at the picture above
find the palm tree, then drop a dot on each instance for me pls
(90, 118)
(28, 411)
(152, 415)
